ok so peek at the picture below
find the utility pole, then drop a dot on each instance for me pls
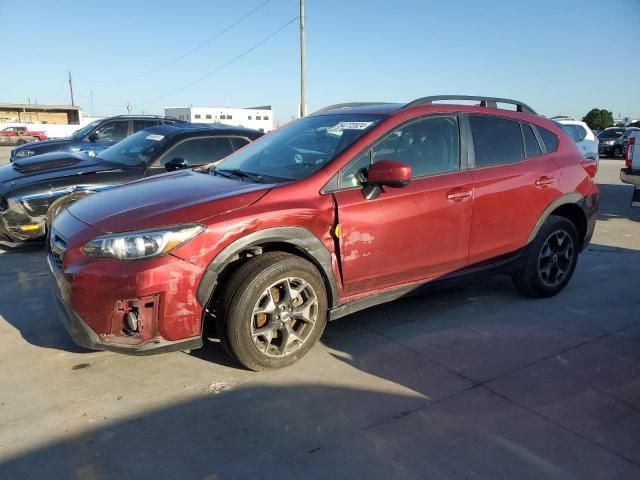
(129, 108)
(91, 95)
(71, 89)
(303, 100)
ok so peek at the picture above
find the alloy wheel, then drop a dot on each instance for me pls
(284, 317)
(555, 259)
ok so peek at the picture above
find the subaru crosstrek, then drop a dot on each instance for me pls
(355, 205)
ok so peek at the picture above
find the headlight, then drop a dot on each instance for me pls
(141, 244)
(25, 153)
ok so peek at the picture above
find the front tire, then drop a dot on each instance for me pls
(550, 259)
(273, 311)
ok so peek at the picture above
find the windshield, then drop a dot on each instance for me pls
(78, 134)
(135, 150)
(301, 148)
(611, 134)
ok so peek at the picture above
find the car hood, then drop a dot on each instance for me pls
(167, 199)
(45, 145)
(49, 166)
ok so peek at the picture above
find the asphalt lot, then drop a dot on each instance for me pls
(462, 383)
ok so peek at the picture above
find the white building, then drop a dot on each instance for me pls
(258, 118)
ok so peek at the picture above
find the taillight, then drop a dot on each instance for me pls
(590, 166)
(629, 152)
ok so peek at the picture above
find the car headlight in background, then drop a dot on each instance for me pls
(141, 244)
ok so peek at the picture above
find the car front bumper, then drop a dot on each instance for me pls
(605, 149)
(84, 336)
(99, 295)
(18, 226)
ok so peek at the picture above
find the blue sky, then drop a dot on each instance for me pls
(560, 57)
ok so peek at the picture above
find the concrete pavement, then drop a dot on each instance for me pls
(467, 383)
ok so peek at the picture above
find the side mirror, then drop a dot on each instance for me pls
(176, 164)
(389, 173)
(386, 173)
(93, 137)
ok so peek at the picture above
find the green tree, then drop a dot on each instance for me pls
(598, 119)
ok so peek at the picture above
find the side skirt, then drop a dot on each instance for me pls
(504, 264)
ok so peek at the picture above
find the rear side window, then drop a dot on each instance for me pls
(142, 124)
(569, 130)
(497, 141)
(530, 141)
(577, 132)
(581, 133)
(549, 139)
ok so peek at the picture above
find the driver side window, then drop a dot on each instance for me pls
(113, 131)
(430, 145)
(199, 151)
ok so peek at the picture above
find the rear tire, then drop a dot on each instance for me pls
(273, 311)
(550, 259)
(21, 142)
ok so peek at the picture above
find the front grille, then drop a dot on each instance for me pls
(57, 248)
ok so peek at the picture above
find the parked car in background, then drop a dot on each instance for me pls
(583, 136)
(34, 189)
(96, 136)
(20, 136)
(607, 139)
(620, 145)
(630, 174)
(355, 205)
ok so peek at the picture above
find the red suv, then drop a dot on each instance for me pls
(355, 205)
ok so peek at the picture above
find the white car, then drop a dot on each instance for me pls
(631, 172)
(583, 136)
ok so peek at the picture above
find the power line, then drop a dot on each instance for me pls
(189, 52)
(224, 65)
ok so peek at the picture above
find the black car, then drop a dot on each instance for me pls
(620, 145)
(34, 189)
(94, 137)
(608, 138)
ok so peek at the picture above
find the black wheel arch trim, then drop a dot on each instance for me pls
(298, 237)
(569, 198)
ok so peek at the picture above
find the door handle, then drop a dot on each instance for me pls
(458, 195)
(544, 181)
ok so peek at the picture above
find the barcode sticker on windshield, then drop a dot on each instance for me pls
(155, 137)
(352, 126)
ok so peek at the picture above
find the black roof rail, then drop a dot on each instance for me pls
(143, 116)
(338, 106)
(489, 102)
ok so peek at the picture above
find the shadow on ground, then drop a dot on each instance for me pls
(486, 377)
(615, 202)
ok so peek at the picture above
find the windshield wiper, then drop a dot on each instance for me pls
(254, 177)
